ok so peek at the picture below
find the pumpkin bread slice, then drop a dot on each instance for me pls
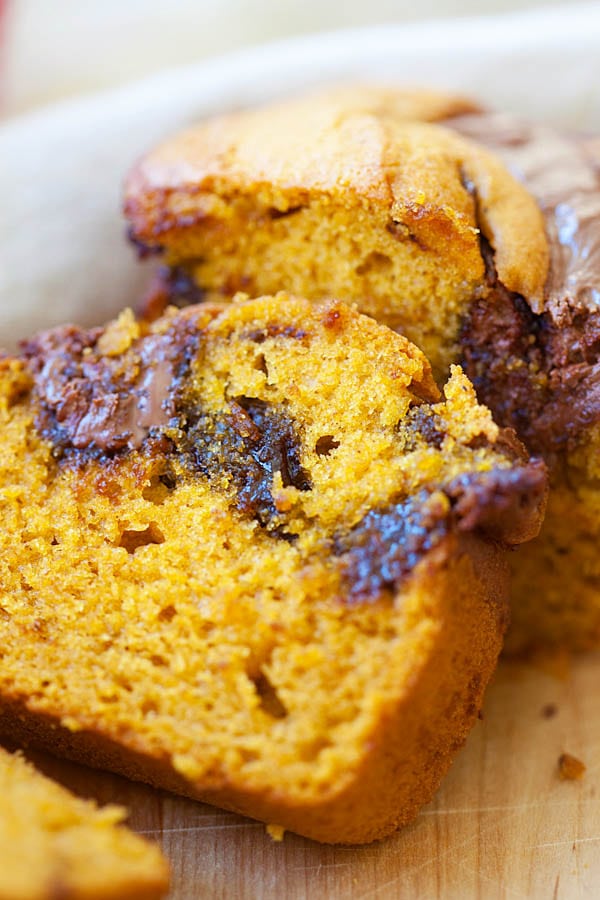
(53, 844)
(249, 554)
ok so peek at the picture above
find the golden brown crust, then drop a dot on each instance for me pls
(422, 104)
(299, 144)
(380, 146)
(513, 224)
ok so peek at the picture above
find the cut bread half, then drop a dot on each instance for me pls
(251, 555)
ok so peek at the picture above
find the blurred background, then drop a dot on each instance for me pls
(53, 49)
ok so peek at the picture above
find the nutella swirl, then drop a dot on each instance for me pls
(563, 174)
(539, 368)
(90, 401)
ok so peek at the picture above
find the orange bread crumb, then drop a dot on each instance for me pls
(570, 768)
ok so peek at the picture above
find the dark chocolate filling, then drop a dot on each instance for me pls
(143, 249)
(538, 378)
(170, 286)
(179, 286)
(421, 424)
(539, 371)
(385, 546)
(93, 405)
(248, 446)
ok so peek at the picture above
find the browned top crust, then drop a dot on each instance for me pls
(562, 172)
(382, 145)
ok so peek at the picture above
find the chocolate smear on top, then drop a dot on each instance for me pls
(539, 370)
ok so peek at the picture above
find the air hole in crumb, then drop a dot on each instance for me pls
(133, 540)
(260, 364)
(167, 613)
(479, 442)
(325, 445)
(312, 750)
(169, 480)
(248, 755)
(156, 492)
(398, 230)
(374, 262)
(268, 697)
(17, 395)
(275, 213)
(157, 660)
(40, 627)
(148, 706)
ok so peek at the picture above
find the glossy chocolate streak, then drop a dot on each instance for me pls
(539, 370)
(385, 546)
(563, 174)
(99, 403)
(93, 405)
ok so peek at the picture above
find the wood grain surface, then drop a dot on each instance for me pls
(503, 825)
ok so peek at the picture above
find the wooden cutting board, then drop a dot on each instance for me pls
(503, 824)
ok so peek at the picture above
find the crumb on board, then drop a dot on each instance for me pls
(549, 710)
(570, 768)
(276, 832)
